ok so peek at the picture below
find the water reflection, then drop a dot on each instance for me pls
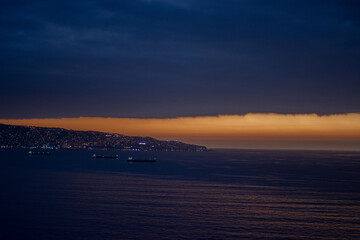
(215, 195)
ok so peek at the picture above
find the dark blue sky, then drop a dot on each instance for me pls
(167, 58)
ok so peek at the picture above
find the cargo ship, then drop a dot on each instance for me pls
(131, 159)
(105, 156)
(31, 153)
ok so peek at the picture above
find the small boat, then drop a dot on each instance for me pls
(31, 153)
(105, 156)
(131, 159)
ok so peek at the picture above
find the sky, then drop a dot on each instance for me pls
(169, 59)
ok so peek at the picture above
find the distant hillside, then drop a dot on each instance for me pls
(23, 136)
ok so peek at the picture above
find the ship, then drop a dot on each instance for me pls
(105, 156)
(131, 159)
(31, 153)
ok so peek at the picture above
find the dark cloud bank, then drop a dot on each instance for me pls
(166, 58)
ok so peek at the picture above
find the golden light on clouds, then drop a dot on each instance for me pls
(249, 127)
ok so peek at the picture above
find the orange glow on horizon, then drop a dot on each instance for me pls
(224, 127)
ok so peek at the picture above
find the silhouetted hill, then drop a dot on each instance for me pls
(24, 136)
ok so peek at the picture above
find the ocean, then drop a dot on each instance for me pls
(219, 194)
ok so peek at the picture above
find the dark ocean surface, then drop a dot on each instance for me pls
(220, 194)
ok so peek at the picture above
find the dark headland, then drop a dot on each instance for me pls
(58, 138)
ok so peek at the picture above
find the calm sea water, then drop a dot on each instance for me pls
(218, 194)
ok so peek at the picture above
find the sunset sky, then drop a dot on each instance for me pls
(228, 131)
(233, 73)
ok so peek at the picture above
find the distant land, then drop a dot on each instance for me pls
(57, 138)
